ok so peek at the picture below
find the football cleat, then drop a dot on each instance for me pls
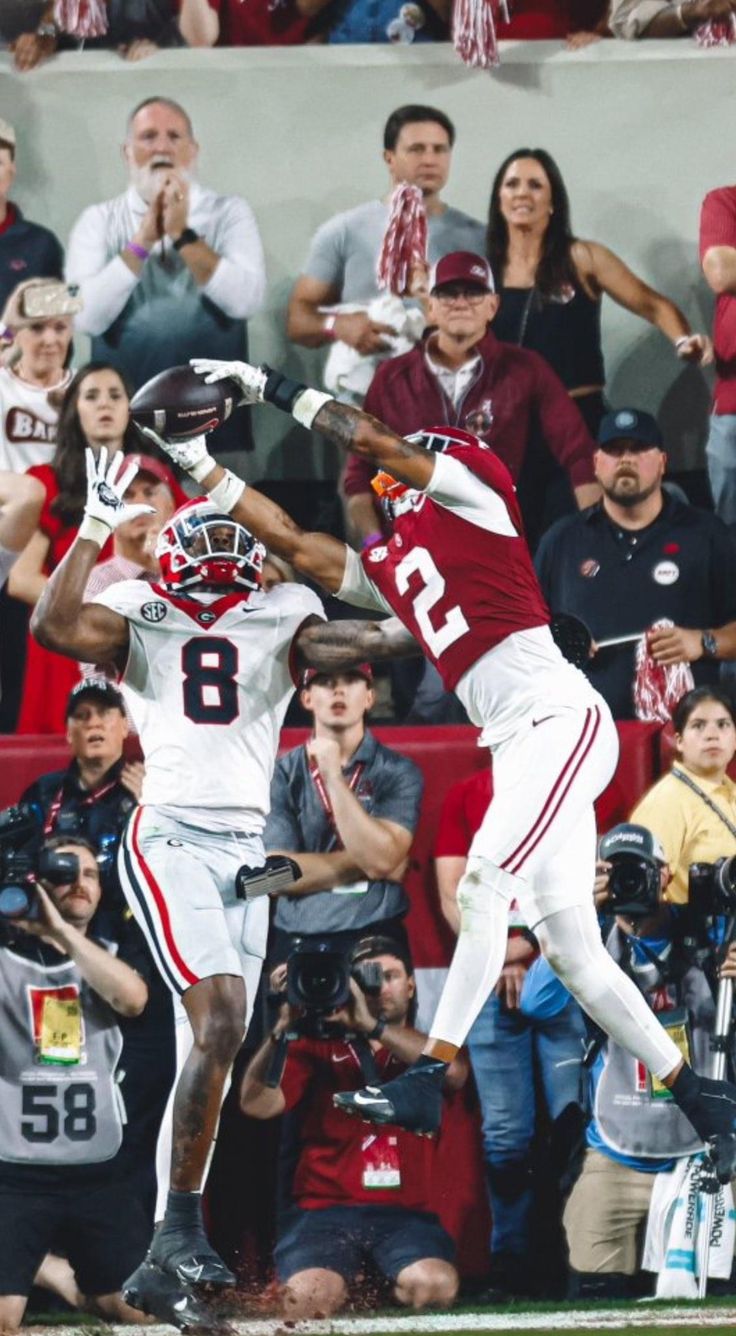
(158, 1294)
(412, 1100)
(188, 1257)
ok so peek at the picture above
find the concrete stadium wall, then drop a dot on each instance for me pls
(638, 129)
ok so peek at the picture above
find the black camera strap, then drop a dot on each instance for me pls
(695, 788)
(57, 803)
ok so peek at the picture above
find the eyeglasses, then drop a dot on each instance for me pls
(473, 296)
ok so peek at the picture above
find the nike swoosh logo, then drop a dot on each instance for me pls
(192, 1273)
(370, 1099)
(340, 1057)
(537, 722)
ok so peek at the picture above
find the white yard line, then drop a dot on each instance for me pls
(566, 1319)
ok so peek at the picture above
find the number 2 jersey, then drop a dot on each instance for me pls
(458, 573)
(207, 682)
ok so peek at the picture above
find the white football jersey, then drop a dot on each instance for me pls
(207, 682)
(27, 421)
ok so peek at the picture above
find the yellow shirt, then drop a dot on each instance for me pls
(687, 828)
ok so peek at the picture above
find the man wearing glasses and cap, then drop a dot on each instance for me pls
(638, 555)
(463, 376)
(346, 808)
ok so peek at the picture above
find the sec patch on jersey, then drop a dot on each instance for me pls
(178, 404)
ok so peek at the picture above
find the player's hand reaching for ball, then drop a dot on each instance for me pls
(192, 456)
(251, 380)
(105, 507)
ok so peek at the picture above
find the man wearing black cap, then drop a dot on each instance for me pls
(346, 808)
(96, 793)
(355, 1197)
(462, 375)
(637, 556)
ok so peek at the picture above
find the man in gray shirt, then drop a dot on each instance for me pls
(341, 265)
(345, 807)
(168, 270)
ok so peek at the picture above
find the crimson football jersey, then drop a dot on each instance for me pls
(458, 572)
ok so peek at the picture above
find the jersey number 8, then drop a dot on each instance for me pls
(210, 666)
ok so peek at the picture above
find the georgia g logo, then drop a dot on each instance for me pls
(154, 612)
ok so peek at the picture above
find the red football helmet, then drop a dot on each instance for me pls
(202, 546)
(437, 439)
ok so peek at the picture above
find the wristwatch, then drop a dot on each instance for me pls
(48, 29)
(187, 237)
(710, 645)
(378, 1028)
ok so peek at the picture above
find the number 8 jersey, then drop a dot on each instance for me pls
(458, 573)
(207, 682)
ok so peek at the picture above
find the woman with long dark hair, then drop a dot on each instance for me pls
(94, 413)
(551, 282)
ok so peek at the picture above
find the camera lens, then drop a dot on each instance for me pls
(319, 983)
(15, 902)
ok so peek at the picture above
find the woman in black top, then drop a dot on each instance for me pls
(551, 283)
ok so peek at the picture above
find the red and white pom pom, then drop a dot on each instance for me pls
(81, 18)
(658, 688)
(474, 31)
(717, 32)
(405, 240)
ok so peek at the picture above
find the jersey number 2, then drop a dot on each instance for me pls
(438, 638)
(210, 666)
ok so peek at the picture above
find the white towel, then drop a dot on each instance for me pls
(347, 372)
(674, 1231)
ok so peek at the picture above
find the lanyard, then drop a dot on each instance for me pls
(324, 796)
(53, 812)
(685, 779)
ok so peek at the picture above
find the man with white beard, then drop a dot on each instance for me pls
(168, 270)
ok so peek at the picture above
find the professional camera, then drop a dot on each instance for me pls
(712, 887)
(23, 863)
(633, 886)
(318, 976)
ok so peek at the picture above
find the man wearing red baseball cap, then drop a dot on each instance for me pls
(462, 376)
(345, 807)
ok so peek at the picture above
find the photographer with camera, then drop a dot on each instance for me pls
(357, 1193)
(636, 1130)
(63, 1167)
(345, 807)
(692, 809)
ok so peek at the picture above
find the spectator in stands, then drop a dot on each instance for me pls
(692, 809)
(718, 258)
(551, 283)
(389, 21)
(340, 272)
(95, 413)
(635, 1132)
(541, 20)
(168, 270)
(32, 386)
(26, 249)
(354, 1197)
(133, 28)
(63, 1164)
(666, 18)
(259, 23)
(463, 376)
(346, 808)
(637, 556)
(21, 499)
(30, 392)
(513, 1057)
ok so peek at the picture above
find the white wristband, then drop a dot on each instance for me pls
(95, 530)
(308, 404)
(200, 470)
(684, 338)
(227, 492)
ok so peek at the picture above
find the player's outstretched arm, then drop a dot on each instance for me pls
(348, 427)
(318, 555)
(61, 621)
(332, 646)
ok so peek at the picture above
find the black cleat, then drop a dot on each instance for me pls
(159, 1295)
(412, 1100)
(189, 1258)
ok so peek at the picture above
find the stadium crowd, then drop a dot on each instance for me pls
(496, 333)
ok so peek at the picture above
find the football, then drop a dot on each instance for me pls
(178, 404)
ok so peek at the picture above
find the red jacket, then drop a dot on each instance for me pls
(513, 388)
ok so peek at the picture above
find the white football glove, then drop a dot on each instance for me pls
(250, 379)
(192, 456)
(105, 508)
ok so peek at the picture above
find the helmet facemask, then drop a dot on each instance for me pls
(203, 547)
